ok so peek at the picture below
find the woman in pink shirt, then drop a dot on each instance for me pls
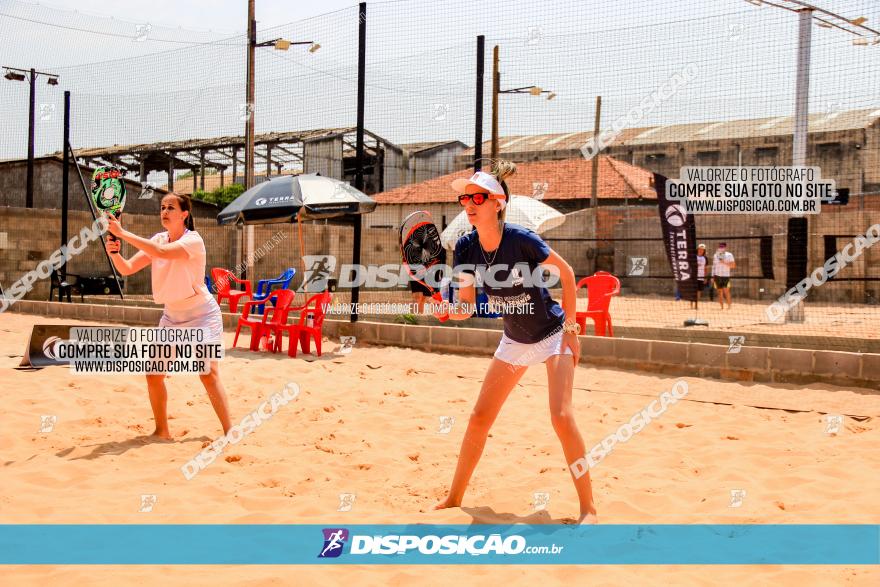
(178, 259)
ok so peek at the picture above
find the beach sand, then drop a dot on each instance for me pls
(368, 423)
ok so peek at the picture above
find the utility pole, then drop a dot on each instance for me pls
(802, 88)
(798, 223)
(496, 82)
(249, 131)
(19, 75)
(29, 191)
(496, 90)
(65, 179)
(478, 126)
(594, 179)
(360, 148)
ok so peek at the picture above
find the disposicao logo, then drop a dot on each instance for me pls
(334, 541)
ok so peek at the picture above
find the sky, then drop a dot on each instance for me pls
(219, 16)
(160, 70)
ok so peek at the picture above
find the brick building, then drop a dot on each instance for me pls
(845, 144)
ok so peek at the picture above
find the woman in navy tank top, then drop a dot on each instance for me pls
(537, 329)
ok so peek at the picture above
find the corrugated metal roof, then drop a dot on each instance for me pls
(697, 131)
(427, 145)
(225, 142)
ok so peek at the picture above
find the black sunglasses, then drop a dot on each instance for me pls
(477, 199)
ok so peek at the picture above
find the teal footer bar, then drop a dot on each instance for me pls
(177, 544)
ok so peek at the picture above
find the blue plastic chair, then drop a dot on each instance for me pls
(208, 284)
(264, 287)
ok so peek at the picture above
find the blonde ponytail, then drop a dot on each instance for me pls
(502, 168)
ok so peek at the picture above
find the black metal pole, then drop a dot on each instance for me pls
(29, 190)
(65, 179)
(359, 174)
(478, 125)
(93, 209)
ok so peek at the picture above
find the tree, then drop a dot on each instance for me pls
(220, 196)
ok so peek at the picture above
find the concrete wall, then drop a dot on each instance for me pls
(394, 173)
(28, 236)
(751, 364)
(433, 163)
(323, 156)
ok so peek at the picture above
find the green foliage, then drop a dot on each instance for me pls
(221, 196)
(407, 318)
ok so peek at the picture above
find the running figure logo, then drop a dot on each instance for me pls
(541, 500)
(47, 111)
(47, 423)
(346, 502)
(439, 112)
(534, 36)
(318, 269)
(147, 503)
(148, 190)
(833, 424)
(736, 344)
(736, 498)
(539, 189)
(446, 424)
(346, 344)
(637, 265)
(334, 541)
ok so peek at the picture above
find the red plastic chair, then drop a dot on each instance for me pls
(223, 279)
(272, 316)
(601, 286)
(300, 331)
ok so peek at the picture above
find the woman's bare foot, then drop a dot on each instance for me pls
(163, 434)
(588, 519)
(448, 503)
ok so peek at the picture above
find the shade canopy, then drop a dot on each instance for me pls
(287, 197)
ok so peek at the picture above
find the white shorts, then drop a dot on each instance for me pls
(205, 315)
(520, 353)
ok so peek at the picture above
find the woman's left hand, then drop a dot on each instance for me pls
(570, 340)
(113, 226)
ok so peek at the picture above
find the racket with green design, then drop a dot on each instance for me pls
(108, 192)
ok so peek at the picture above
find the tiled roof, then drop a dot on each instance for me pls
(565, 180)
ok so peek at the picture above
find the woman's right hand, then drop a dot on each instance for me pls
(113, 246)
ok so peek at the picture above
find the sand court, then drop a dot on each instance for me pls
(383, 425)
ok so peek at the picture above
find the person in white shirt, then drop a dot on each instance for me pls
(701, 273)
(178, 259)
(722, 264)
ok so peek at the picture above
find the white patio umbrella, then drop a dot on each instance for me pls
(523, 210)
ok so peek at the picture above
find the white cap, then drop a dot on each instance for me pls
(484, 181)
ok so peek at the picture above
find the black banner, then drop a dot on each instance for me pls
(680, 240)
(40, 350)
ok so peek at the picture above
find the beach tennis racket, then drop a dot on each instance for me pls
(108, 192)
(421, 249)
